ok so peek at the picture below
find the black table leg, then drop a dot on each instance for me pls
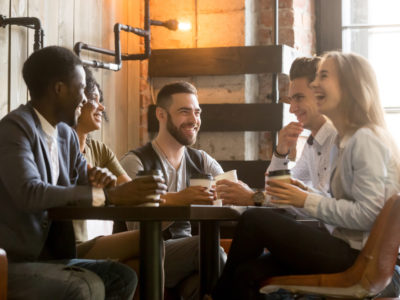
(209, 256)
(150, 279)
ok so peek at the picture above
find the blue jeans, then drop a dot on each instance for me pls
(77, 279)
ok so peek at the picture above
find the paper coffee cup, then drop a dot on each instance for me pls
(156, 197)
(281, 175)
(204, 180)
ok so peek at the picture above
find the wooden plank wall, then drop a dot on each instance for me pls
(64, 24)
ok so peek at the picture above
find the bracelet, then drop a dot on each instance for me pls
(277, 154)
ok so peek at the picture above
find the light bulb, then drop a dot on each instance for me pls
(184, 26)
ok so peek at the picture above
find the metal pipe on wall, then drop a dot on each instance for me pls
(29, 22)
(119, 57)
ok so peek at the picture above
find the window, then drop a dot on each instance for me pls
(372, 29)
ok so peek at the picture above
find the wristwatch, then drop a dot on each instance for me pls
(258, 198)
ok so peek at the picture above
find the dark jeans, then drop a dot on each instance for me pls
(76, 279)
(119, 280)
(294, 248)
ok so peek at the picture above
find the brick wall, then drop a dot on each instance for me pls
(296, 29)
(223, 23)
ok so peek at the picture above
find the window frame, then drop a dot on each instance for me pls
(329, 29)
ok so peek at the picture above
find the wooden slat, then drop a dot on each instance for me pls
(221, 61)
(90, 33)
(4, 51)
(65, 24)
(133, 117)
(233, 117)
(47, 13)
(19, 51)
(115, 132)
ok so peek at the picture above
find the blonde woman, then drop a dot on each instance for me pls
(364, 175)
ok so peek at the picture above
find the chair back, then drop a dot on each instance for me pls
(379, 255)
(3, 275)
(371, 272)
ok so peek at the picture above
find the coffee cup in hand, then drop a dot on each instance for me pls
(155, 198)
(281, 175)
(204, 180)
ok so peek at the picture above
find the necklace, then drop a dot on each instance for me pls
(161, 149)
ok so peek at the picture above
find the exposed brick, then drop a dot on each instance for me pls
(266, 18)
(286, 36)
(265, 36)
(285, 3)
(220, 89)
(144, 68)
(269, 4)
(286, 18)
(266, 4)
(223, 145)
(220, 24)
(265, 149)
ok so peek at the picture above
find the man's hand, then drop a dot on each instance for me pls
(299, 184)
(191, 195)
(286, 193)
(101, 177)
(234, 193)
(287, 137)
(136, 191)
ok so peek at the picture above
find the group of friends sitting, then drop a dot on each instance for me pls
(348, 168)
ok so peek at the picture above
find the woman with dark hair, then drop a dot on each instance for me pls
(347, 92)
(122, 246)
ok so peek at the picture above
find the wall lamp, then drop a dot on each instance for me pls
(32, 23)
(145, 33)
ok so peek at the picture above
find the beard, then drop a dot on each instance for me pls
(178, 135)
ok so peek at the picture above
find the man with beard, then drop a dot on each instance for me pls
(41, 168)
(178, 113)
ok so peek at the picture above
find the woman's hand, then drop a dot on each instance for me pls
(286, 193)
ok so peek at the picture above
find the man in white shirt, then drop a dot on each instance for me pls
(312, 168)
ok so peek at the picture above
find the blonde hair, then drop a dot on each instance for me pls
(361, 105)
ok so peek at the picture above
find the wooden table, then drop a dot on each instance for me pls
(150, 219)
